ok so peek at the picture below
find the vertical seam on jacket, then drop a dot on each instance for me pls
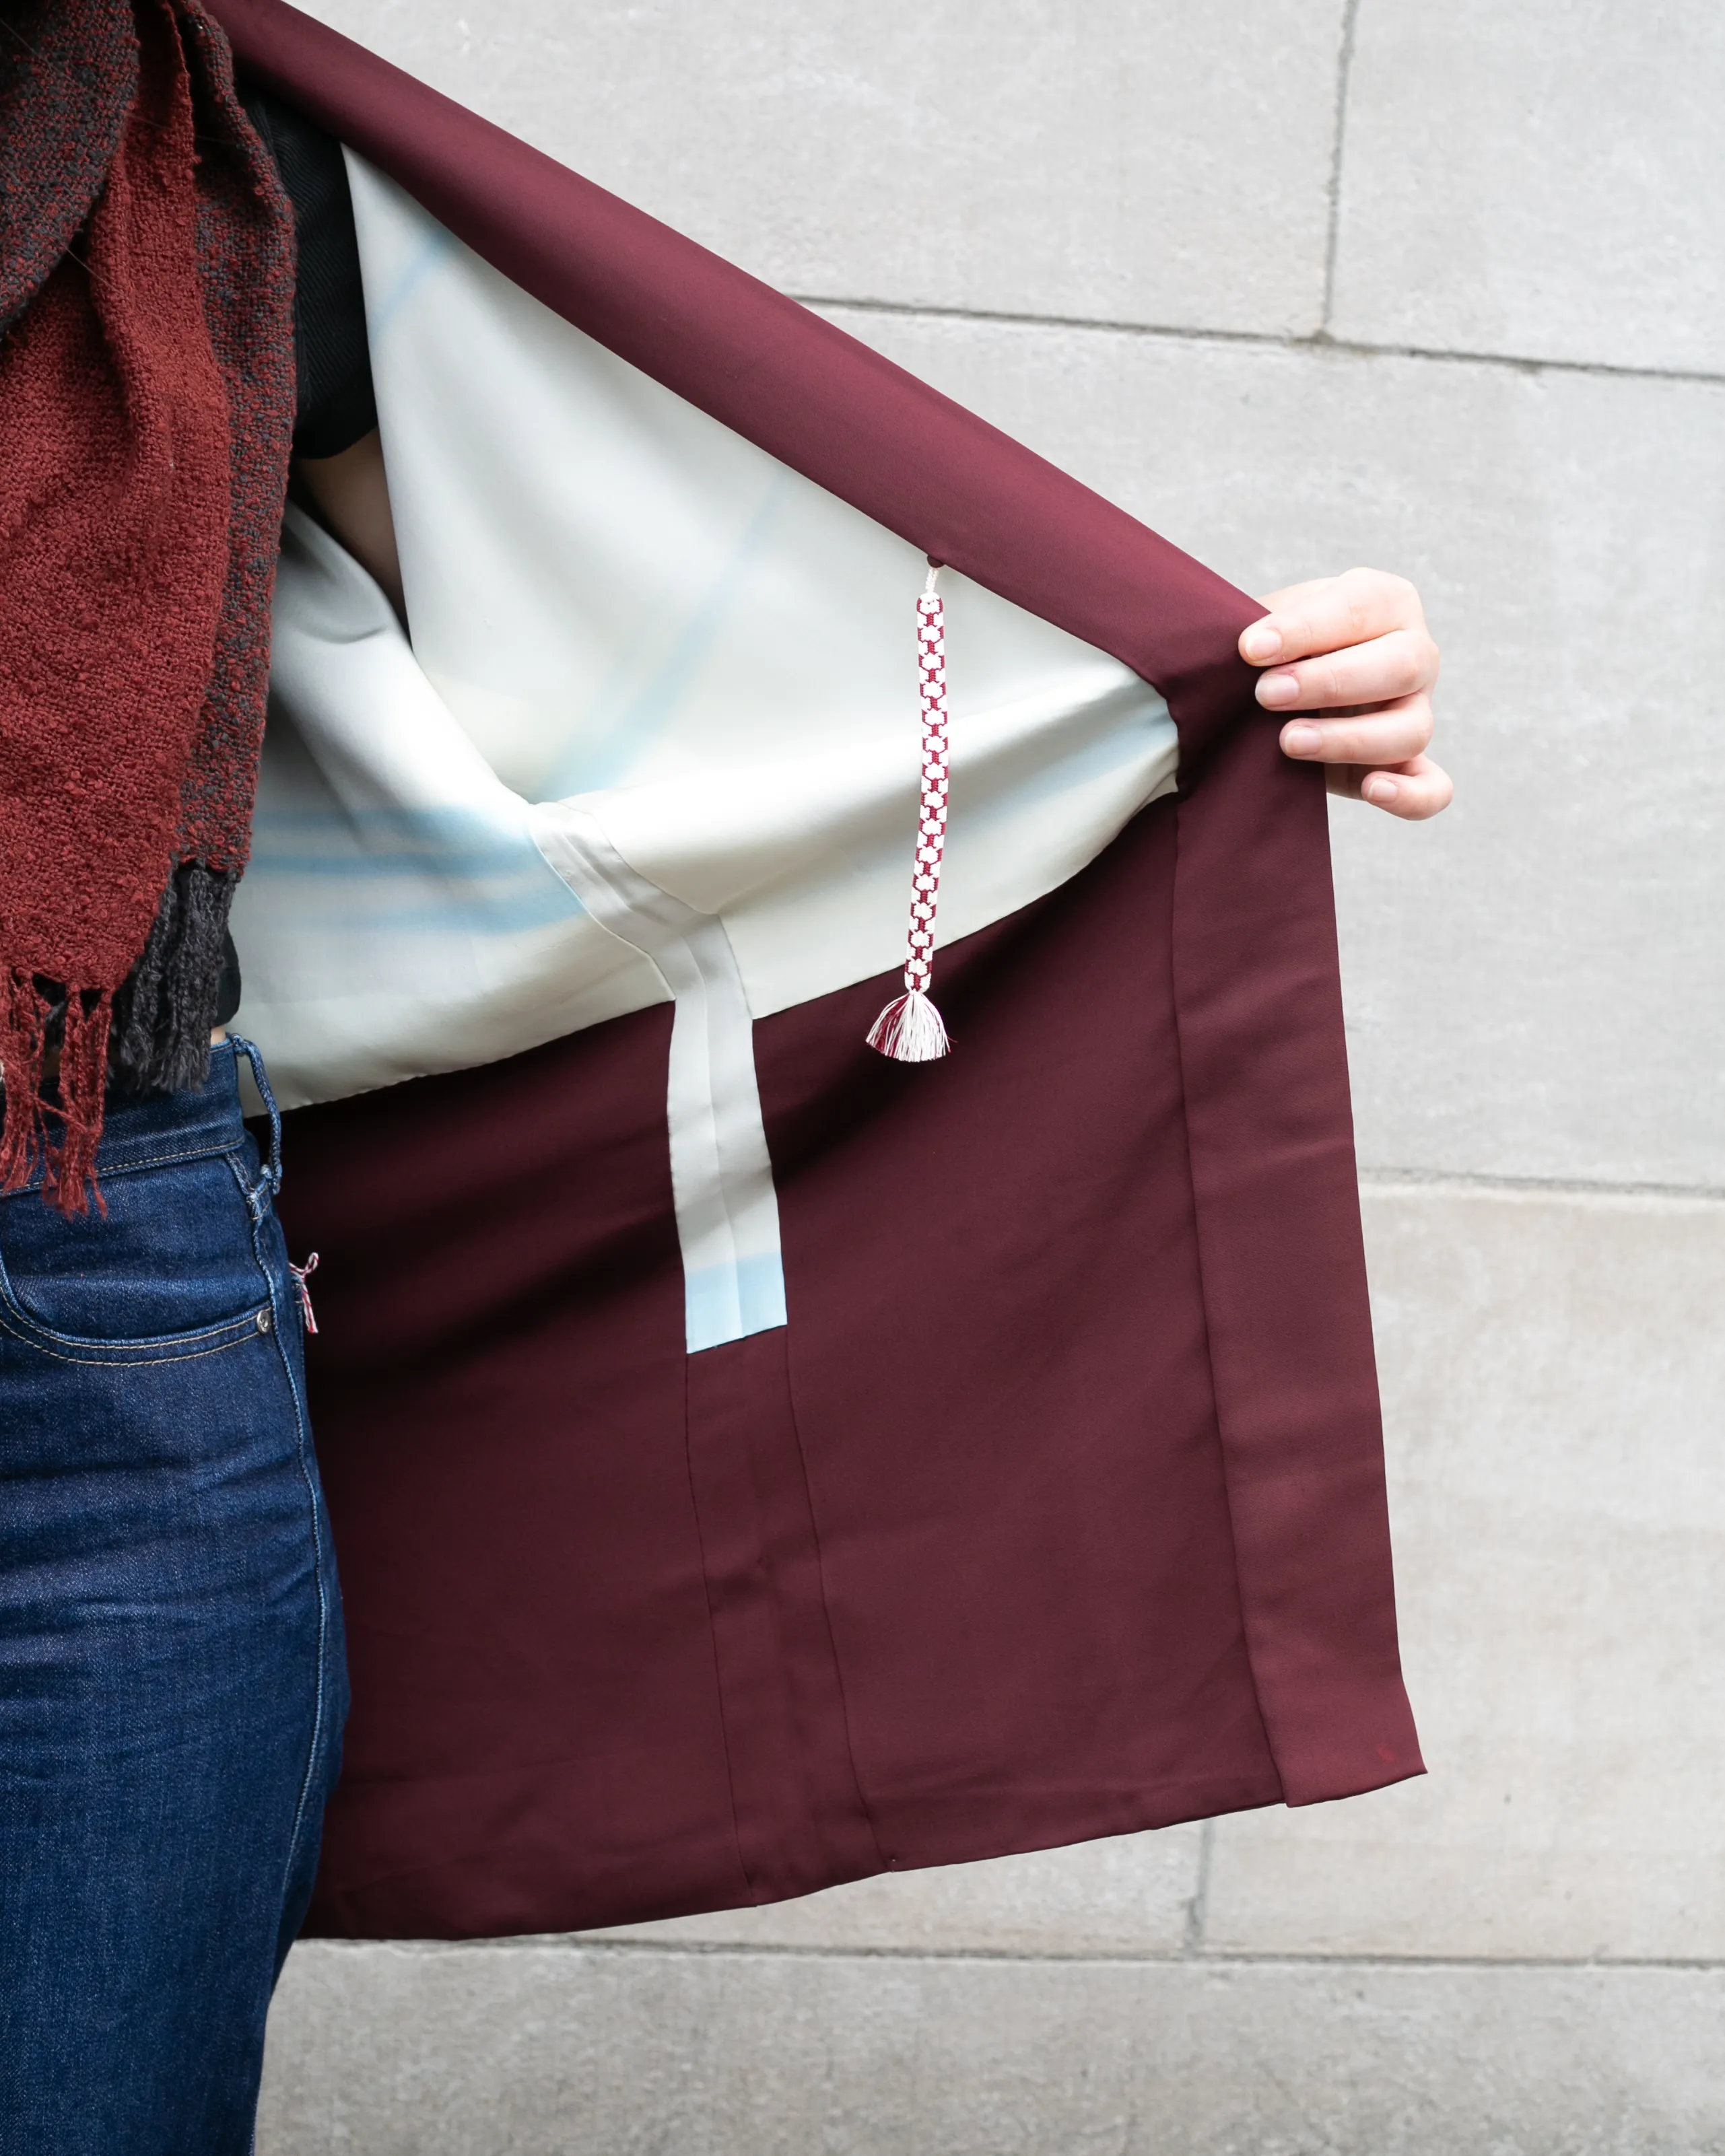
(838, 1674)
(1197, 1238)
(725, 1732)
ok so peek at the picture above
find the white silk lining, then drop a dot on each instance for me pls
(657, 735)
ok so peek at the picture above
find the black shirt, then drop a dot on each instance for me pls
(334, 405)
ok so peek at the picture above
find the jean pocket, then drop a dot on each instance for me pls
(171, 1267)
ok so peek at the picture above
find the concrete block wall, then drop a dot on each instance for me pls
(1302, 282)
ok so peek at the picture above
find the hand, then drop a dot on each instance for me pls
(1356, 650)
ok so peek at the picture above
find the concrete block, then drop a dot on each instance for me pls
(1131, 1895)
(1152, 161)
(1535, 984)
(1554, 1373)
(1545, 179)
(541, 2050)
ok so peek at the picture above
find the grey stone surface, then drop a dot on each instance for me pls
(1553, 1372)
(1536, 982)
(1146, 162)
(1131, 1895)
(547, 2050)
(1545, 178)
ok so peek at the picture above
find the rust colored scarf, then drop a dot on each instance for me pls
(145, 411)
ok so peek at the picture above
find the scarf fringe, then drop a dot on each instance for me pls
(24, 1013)
(68, 1176)
(69, 1179)
(158, 1025)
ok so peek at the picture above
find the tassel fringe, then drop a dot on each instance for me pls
(67, 1164)
(24, 1013)
(910, 1030)
(70, 1176)
(158, 1023)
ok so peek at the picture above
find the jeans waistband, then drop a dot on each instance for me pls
(149, 1131)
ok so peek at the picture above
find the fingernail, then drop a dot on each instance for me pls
(1262, 643)
(1278, 688)
(1302, 738)
(1379, 789)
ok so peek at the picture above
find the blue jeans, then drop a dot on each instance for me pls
(171, 1679)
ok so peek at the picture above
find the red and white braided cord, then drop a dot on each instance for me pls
(909, 1028)
(931, 823)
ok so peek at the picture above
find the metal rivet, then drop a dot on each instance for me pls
(265, 1321)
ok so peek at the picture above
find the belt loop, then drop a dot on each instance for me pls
(261, 1079)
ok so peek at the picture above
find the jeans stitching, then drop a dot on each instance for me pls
(123, 1165)
(315, 1748)
(30, 1328)
(120, 1355)
(29, 1322)
(259, 1198)
(220, 1141)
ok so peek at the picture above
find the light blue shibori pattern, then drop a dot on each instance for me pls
(656, 737)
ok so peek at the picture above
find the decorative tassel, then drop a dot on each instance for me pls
(910, 1029)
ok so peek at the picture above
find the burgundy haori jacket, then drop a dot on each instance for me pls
(756, 1462)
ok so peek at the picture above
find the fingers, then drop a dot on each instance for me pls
(1355, 651)
(1411, 791)
(1390, 734)
(1401, 662)
(1330, 613)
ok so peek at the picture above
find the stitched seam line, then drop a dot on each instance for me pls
(213, 1152)
(246, 1321)
(725, 1733)
(839, 1675)
(1198, 1242)
(119, 1359)
(302, 1425)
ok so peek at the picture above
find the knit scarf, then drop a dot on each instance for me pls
(147, 387)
